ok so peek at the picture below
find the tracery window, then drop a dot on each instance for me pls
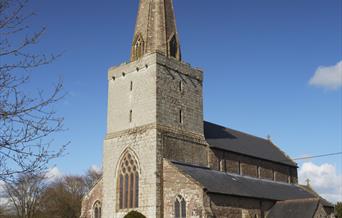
(180, 207)
(139, 47)
(128, 182)
(97, 209)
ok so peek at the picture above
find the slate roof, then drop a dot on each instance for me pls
(294, 209)
(220, 137)
(231, 184)
(323, 201)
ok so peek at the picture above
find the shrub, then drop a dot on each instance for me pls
(134, 214)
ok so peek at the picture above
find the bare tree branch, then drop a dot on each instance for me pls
(27, 123)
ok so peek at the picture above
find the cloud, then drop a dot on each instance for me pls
(328, 77)
(96, 168)
(324, 179)
(53, 174)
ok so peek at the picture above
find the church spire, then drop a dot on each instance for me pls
(155, 30)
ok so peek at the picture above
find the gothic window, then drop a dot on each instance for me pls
(173, 47)
(180, 207)
(128, 182)
(97, 209)
(139, 47)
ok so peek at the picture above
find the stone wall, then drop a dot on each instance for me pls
(88, 201)
(184, 147)
(175, 183)
(179, 88)
(132, 87)
(224, 206)
(320, 212)
(142, 143)
(180, 112)
(249, 166)
(144, 103)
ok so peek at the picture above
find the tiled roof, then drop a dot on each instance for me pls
(230, 184)
(220, 137)
(294, 208)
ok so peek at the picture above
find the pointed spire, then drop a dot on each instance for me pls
(155, 30)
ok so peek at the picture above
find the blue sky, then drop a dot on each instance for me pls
(258, 58)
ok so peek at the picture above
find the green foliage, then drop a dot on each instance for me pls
(338, 209)
(134, 214)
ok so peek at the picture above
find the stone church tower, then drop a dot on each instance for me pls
(154, 112)
(161, 159)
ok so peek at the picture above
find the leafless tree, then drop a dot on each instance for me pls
(25, 194)
(91, 177)
(27, 123)
(62, 199)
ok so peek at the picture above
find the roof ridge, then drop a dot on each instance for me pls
(299, 200)
(233, 174)
(312, 191)
(282, 158)
(246, 133)
(189, 165)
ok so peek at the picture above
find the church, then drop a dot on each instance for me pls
(162, 160)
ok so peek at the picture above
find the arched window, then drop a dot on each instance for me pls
(173, 47)
(138, 47)
(97, 209)
(180, 207)
(128, 182)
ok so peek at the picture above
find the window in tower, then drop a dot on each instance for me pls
(180, 207)
(138, 47)
(180, 116)
(180, 86)
(131, 86)
(97, 209)
(130, 116)
(173, 47)
(128, 182)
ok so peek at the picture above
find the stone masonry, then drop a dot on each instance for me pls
(156, 26)
(155, 111)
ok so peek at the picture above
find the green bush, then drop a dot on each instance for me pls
(338, 209)
(134, 214)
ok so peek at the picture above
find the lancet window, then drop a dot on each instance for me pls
(97, 209)
(138, 47)
(180, 207)
(173, 47)
(128, 182)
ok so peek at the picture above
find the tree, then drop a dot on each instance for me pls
(134, 214)
(25, 194)
(91, 177)
(338, 209)
(62, 199)
(27, 123)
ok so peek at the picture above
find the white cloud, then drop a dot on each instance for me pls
(324, 179)
(53, 174)
(96, 168)
(328, 77)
